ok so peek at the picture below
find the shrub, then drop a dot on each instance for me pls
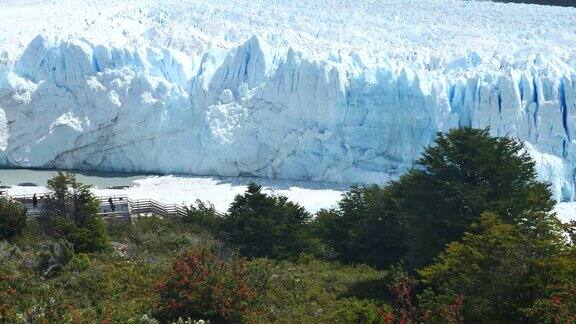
(500, 269)
(7, 296)
(202, 285)
(314, 291)
(79, 262)
(90, 237)
(53, 256)
(12, 218)
(353, 310)
(152, 235)
(559, 307)
(204, 216)
(570, 229)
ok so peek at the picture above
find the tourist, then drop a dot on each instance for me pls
(112, 206)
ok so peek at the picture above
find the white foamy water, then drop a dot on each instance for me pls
(174, 189)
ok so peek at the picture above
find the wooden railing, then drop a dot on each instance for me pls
(151, 206)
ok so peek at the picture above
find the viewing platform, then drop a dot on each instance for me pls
(125, 208)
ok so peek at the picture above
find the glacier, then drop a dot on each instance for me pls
(339, 91)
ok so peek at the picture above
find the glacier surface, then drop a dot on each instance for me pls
(342, 91)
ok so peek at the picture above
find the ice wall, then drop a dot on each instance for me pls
(269, 112)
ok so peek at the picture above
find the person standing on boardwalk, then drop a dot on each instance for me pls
(34, 201)
(112, 206)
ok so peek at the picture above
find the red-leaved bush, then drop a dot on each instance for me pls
(202, 285)
(406, 308)
(402, 291)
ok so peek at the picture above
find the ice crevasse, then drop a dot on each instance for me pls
(263, 111)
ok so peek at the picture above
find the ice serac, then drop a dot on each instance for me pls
(273, 111)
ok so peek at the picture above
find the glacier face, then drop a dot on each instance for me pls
(261, 99)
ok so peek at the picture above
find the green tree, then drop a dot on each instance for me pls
(12, 218)
(465, 173)
(260, 225)
(366, 227)
(71, 211)
(503, 272)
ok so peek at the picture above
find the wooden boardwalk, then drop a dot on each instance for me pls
(124, 207)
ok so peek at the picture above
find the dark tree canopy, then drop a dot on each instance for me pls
(465, 173)
(260, 225)
(366, 228)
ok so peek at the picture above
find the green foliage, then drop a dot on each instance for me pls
(53, 256)
(502, 269)
(71, 211)
(7, 293)
(560, 307)
(93, 236)
(204, 285)
(104, 289)
(117, 284)
(23, 296)
(260, 225)
(353, 310)
(327, 226)
(506, 266)
(204, 216)
(467, 172)
(313, 291)
(12, 218)
(79, 262)
(366, 228)
(570, 229)
(155, 236)
(90, 237)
